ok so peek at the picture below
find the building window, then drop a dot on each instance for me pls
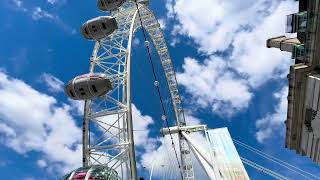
(298, 51)
(297, 22)
(289, 24)
(302, 21)
(71, 93)
(94, 88)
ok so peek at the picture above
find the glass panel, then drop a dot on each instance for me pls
(103, 173)
(302, 21)
(225, 155)
(289, 25)
(298, 51)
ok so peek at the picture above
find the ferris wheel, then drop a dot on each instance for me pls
(108, 142)
(107, 126)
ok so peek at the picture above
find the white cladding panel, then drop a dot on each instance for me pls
(316, 94)
(225, 156)
(309, 92)
(314, 102)
(313, 91)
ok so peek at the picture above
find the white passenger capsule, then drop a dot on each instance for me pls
(88, 86)
(109, 5)
(99, 27)
(94, 172)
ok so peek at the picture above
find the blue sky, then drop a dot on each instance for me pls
(227, 77)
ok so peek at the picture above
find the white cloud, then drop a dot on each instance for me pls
(136, 42)
(191, 120)
(5, 129)
(141, 125)
(174, 33)
(52, 1)
(213, 24)
(32, 121)
(38, 14)
(18, 3)
(250, 55)
(163, 159)
(240, 30)
(54, 84)
(162, 23)
(217, 25)
(42, 163)
(78, 106)
(212, 85)
(273, 123)
(56, 2)
(170, 8)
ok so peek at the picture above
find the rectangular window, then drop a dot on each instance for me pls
(71, 93)
(289, 25)
(297, 22)
(298, 52)
(104, 26)
(94, 88)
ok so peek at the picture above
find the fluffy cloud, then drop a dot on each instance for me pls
(214, 23)
(42, 163)
(250, 55)
(213, 84)
(141, 125)
(77, 106)
(162, 23)
(52, 1)
(162, 158)
(38, 13)
(54, 84)
(272, 123)
(240, 30)
(56, 2)
(17, 3)
(136, 42)
(32, 121)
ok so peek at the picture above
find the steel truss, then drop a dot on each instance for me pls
(107, 125)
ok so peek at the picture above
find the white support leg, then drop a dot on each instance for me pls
(204, 156)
